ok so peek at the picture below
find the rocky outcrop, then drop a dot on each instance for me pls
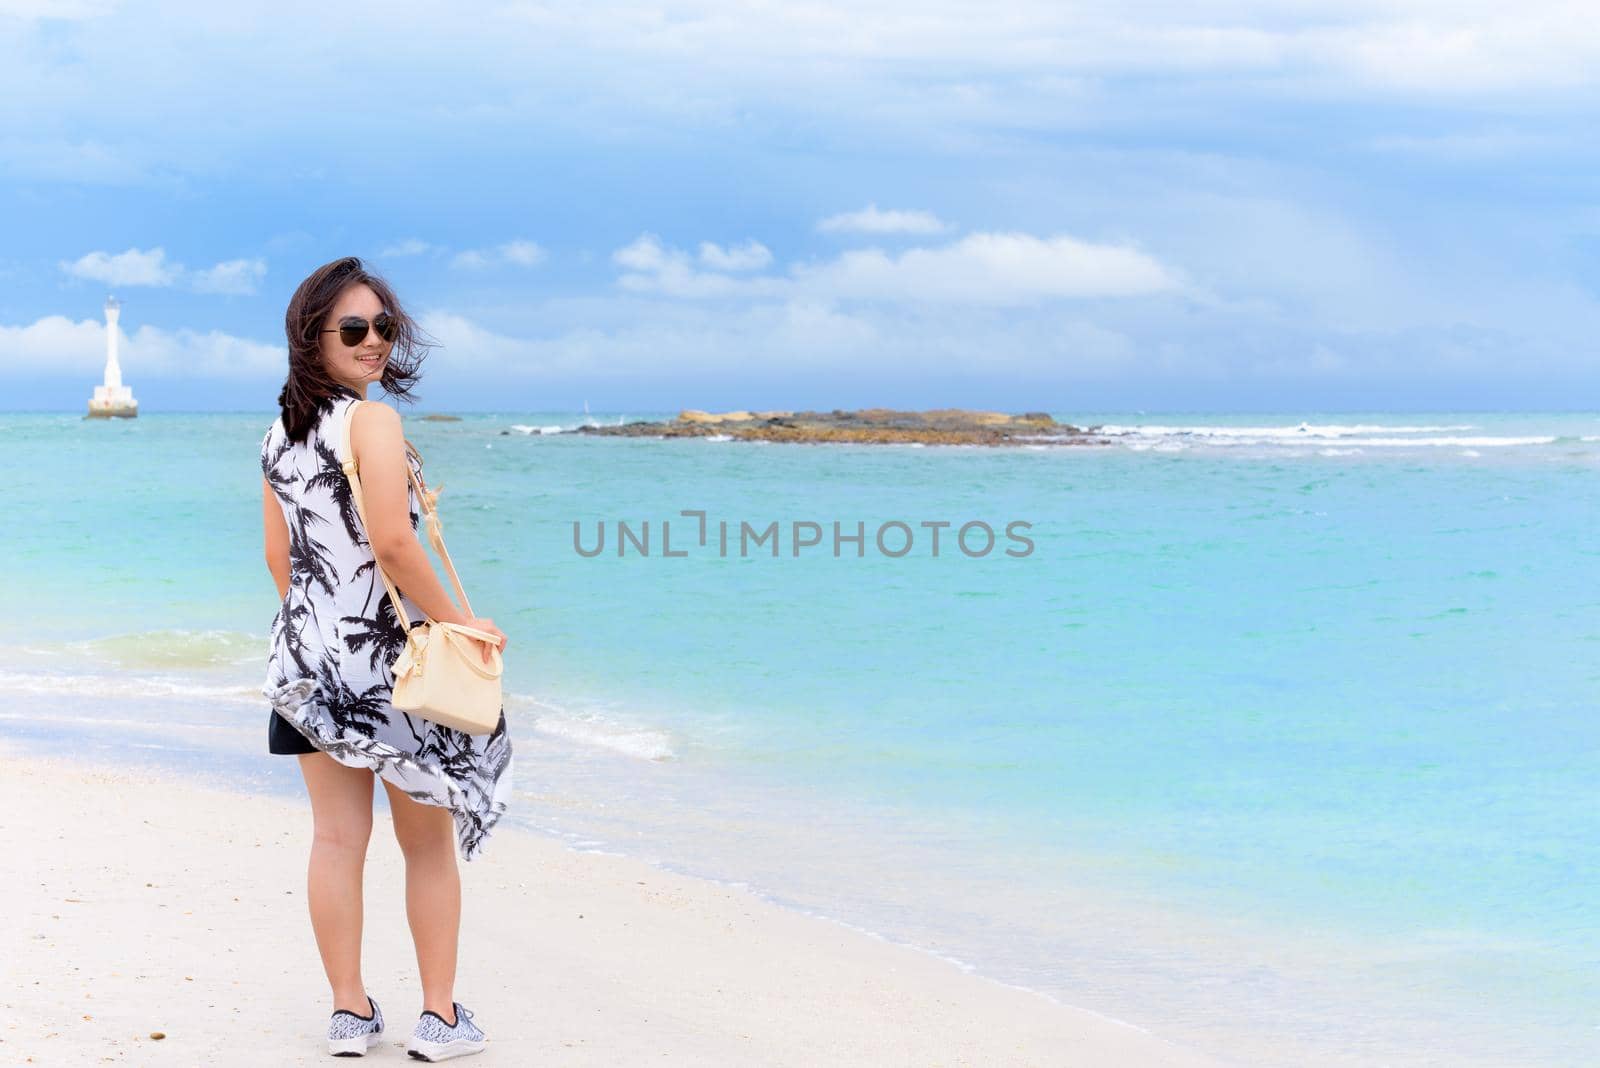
(867, 426)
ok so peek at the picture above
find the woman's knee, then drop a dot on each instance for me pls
(433, 840)
(420, 828)
(341, 803)
(345, 832)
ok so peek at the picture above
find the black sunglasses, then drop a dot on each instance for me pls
(353, 331)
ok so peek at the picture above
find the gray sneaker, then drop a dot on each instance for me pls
(435, 1040)
(350, 1035)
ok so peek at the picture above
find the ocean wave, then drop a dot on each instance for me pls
(1301, 431)
(173, 649)
(1459, 442)
(562, 428)
(1480, 442)
(123, 686)
(593, 728)
(165, 726)
(635, 742)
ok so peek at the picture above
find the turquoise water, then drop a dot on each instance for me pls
(1282, 737)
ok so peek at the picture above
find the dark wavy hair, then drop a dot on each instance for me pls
(309, 389)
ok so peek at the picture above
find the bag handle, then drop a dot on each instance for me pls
(452, 634)
(428, 500)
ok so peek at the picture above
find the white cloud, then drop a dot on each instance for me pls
(1407, 45)
(411, 246)
(57, 345)
(645, 254)
(870, 220)
(615, 63)
(950, 75)
(521, 253)
(513, 253)
(152, 268)
(232, 276)
(54, 344)
(991, 268)
(982, 268)
(627, 341)
(210, 353)
(1471, 48)
(131, 268)
(653, 268)
(750, 256)
(657, 340)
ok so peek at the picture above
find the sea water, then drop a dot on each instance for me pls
(1273, 734)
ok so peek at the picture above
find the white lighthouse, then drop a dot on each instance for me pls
(112, 398)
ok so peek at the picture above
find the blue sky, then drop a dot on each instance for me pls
(1072, 207)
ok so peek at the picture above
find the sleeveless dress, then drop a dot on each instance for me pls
(336, 635)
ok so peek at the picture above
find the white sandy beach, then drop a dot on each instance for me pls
(148, 904)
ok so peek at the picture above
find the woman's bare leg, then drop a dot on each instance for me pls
(341, 809)
(433, 894)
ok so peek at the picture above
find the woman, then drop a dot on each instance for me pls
(334, 638)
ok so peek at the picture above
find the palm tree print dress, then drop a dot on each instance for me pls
(336, 635)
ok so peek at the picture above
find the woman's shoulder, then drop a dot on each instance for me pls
(376, 406)
(376, 424)
(372, 415)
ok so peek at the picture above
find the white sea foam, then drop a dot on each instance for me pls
(119, 686)
(1303, 430)
(644, 743)
(719, 437)
(1141, 443)
(166, 726)
(562, 428)
(596, 729)
(633, 740)
(1460, 442)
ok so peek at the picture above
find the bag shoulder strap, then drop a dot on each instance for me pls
(426, 498)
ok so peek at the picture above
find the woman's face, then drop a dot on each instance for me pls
(364, 362)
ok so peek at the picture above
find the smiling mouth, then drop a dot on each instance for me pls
(368, 359)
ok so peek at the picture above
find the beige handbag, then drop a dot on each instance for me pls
(440, 674)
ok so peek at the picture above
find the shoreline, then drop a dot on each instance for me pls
(1237, 990)
(613, 960)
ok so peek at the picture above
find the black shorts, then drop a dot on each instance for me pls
(282, 737)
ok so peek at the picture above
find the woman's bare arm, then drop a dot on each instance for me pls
(276, 538)
(378, 442)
